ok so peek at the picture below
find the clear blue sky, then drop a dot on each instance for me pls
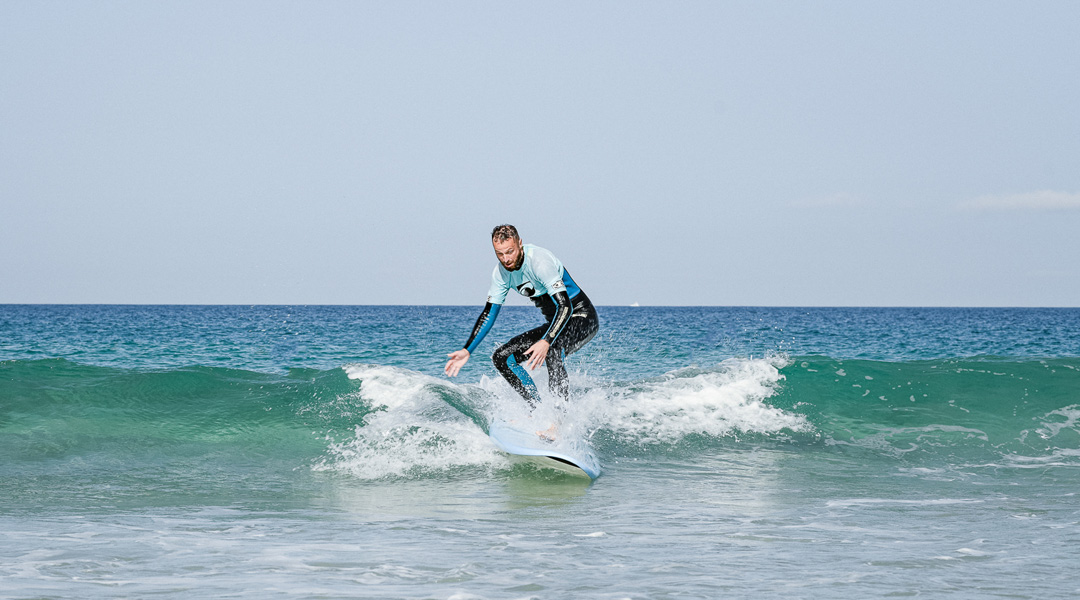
(717, 153)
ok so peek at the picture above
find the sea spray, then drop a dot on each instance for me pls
(412, 429)
(724, 400)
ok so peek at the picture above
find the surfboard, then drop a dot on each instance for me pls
(561, 455)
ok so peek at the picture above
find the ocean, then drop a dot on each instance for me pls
(320, 452)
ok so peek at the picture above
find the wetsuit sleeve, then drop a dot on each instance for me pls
(483, 325)
(563, 310)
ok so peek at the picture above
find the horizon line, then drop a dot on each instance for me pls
(815, 306)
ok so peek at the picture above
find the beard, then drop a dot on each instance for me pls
(520, 261)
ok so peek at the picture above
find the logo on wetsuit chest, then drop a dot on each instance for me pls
(526, 289)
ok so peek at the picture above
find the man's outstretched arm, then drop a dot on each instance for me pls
(480, 329)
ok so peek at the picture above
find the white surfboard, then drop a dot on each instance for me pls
(561, 455)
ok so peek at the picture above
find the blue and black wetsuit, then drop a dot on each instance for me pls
(571, 320)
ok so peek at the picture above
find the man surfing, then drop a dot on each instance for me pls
(571, 318)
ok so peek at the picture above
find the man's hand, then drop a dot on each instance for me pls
(536, 353)
(457, 360)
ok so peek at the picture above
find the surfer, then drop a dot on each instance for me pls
(571, 318)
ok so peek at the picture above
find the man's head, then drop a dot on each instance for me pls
(507, 246)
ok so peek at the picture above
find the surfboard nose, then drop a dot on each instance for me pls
(575, 459)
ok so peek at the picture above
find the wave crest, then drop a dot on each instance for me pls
(420, 426)
(725, 400)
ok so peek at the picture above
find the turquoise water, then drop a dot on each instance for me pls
(318, 452)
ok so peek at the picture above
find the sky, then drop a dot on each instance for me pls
(669, 153)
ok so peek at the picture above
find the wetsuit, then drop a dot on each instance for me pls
(571, 320)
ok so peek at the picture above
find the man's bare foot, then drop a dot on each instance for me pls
(548, 435)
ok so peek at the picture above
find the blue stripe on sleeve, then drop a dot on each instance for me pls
(489, 320)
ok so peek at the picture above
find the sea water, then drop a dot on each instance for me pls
(319, 452)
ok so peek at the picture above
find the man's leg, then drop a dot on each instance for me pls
(582, 327)
(507, 359)
(558, 380)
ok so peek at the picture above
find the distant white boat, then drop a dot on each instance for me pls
(635, 304)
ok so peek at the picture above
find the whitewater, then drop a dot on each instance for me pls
(319, 452)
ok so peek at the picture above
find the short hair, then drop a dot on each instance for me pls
(504, 232)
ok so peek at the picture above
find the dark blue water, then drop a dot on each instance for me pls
(634, 342)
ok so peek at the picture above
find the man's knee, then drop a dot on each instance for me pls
(505, 359)
(501, 353)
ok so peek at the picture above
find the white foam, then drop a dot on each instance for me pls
(573, 423)
(973, 553)
(413, 429)
(1058, 457)
(724, 400)
(1051, 426)
(390, 387)
(851, 502)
